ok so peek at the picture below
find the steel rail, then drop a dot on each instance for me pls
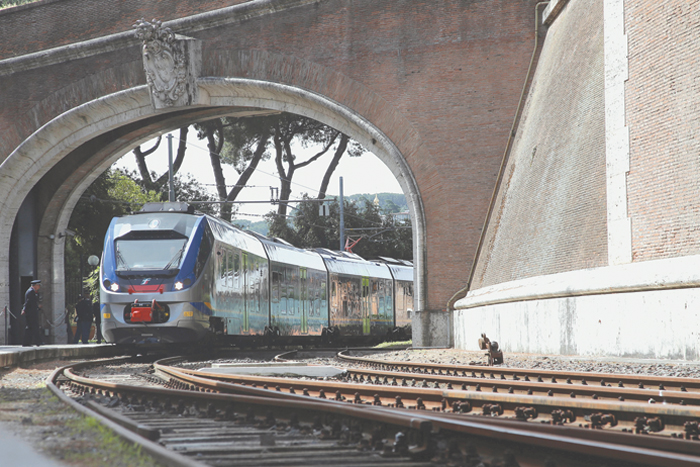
(551, 437)
(133, 437)
(690, 384)
(299, 402)
(673, 417)
(556, 387)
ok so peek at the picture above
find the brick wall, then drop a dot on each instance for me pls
(443, 81)
(550, 214)
(663, 115)
(51, 23)
(453, 70)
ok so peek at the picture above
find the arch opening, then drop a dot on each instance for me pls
(72, 150)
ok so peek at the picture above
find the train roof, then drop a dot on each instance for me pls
(401, 272)
(352, 264)
(401, 269)
(282, 252)
(226, 233)
(403, 262)
(154, 221)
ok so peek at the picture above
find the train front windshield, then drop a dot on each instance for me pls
(158, 254)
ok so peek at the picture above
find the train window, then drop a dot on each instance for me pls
(222, 265)
(149, 253)
(204, 252)
(275, 286)
(229, 267)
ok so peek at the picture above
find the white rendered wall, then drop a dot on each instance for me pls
(649, 309)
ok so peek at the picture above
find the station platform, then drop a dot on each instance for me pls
(14, 355)
(16, 452)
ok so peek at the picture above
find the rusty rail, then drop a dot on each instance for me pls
(619, 446)
(661, 383)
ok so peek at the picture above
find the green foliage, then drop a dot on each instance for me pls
(280, 227)
(241, 137)
(91, 285)
(186, 190)
(115, 450)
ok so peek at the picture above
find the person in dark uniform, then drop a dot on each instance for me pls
(83, 311)
(30, 311)
(98, 321)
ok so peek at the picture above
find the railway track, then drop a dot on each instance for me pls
(247, 418)
(606, 380)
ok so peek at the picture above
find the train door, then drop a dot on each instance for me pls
(244, 289)
(366, 305)
(304, 299)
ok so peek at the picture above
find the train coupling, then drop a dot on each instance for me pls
(147, 312)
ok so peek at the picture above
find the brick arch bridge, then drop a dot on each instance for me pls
(430, 89)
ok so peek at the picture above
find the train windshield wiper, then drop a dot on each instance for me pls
(121, 260)
(176, 258)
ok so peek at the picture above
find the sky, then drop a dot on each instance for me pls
(365, 174)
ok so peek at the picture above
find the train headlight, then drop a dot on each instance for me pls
(114, 287)
(179, 285)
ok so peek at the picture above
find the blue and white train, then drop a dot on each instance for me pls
(169, 275)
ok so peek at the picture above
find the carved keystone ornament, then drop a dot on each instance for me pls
(171, 62)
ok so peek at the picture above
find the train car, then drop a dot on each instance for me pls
(239, 290)
(298, 292)
(169, 275)
(360, 295)
(156, 276)
(402, 273)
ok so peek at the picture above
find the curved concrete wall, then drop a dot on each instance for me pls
(593, 248)
(550, 213)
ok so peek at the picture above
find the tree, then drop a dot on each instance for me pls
(390, 207)
(383, 235)
(289, 128)
(148, 179)
(240, 142)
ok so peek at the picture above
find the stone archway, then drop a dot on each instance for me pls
(116, 118)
